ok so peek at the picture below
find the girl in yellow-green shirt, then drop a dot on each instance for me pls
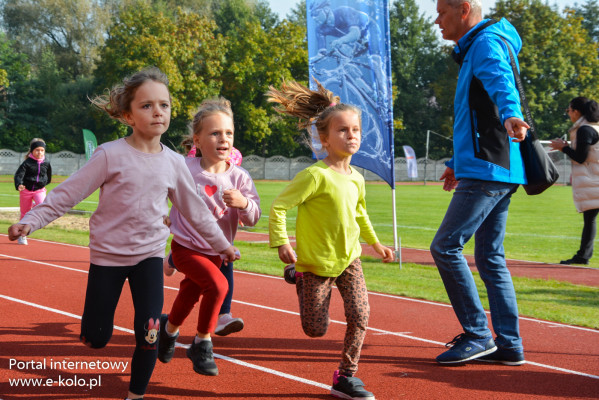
(330, 196)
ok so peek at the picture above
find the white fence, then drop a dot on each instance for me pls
(260, 168)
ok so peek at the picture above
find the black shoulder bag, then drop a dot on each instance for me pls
(540, 171)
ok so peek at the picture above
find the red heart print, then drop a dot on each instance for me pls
(210, 190)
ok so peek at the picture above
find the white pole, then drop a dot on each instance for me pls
(428, 133)
(396, 240)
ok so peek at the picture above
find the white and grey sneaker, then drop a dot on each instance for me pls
(227, 325)
(22, 240)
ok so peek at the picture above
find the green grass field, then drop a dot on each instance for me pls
(542, 228)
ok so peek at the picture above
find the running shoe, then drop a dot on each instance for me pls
(227, 324)
(465, 348)
(349, 387)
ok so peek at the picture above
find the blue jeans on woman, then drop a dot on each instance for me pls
(479, 208)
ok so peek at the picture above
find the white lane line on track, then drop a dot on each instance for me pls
(550, 323)
(432, 303)
(226, 358)
(378, 331)
(279, 373)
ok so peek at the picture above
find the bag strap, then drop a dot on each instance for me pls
(529, 119)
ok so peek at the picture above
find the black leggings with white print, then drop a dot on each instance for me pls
(104, 286)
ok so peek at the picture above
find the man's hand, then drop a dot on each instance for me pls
(450, 182)
(516, 128)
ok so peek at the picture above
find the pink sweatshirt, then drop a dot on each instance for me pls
(127, 227)
(210, 187)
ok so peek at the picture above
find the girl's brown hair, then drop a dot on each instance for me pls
(207, 108)
(118, 101)
(311, 107)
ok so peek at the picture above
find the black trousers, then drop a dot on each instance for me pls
(104, 286)
(589, 231)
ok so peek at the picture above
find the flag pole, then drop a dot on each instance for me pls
(396, 238)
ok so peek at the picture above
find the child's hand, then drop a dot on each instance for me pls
(231, 254)
(21, 188)
(234, 199)
(286, 254)
(17, 230)
(385, 252)
(166, 221)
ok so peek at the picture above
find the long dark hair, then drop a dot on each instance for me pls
(588, 108)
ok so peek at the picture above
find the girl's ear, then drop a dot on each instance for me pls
(127, 117)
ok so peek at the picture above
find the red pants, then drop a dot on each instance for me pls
(202, 278)
(27, 198)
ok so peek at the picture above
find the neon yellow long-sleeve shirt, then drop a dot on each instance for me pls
(331, 218)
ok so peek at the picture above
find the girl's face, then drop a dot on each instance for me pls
(215, 138)
(38, 152)
(344, 135)
(150, 113)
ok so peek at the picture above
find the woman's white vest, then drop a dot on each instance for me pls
(585, 176)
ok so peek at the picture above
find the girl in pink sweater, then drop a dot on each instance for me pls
(136, 176)
(229, 192)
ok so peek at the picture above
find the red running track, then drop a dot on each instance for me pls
(41, 300)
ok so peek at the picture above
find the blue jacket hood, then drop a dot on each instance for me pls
(502, 28)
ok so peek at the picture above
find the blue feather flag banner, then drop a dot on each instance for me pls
(350, 55)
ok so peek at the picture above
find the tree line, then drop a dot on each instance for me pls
(56, 54)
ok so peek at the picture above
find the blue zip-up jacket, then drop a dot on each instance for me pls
(486, 95)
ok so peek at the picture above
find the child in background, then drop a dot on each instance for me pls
(330, 220)
(135, 175)
(226, 324)
(31, 178)
(230, 194)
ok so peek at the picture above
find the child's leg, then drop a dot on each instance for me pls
(204, 272)
(227, 270)
(104, 286)
(352, 288)
(146, 283)
(314, 296)
(39, 196)
(25, 201)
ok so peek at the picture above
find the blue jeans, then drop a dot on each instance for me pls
(479, 208)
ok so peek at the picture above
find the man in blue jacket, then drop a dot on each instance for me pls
(485, 171)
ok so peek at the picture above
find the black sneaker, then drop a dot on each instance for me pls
(504, 356)
(289, 274)
(465, 348)
(349, 387)
(202, 358)
(166, 343)
(575, 260)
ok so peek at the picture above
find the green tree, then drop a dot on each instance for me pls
(256, 59)
(589, 11)
(558, 60)
(184, 47)
(420, 76)
(73, 30)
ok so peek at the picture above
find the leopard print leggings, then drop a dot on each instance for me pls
(314, 295)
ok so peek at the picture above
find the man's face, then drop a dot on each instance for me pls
(450, 20)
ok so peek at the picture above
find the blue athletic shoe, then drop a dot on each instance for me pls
(465, 348)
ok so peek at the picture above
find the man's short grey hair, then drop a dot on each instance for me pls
(474, 4)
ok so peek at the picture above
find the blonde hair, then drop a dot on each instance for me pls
(32, 142)
(118, 101)
(207, 108)
(311, 107)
